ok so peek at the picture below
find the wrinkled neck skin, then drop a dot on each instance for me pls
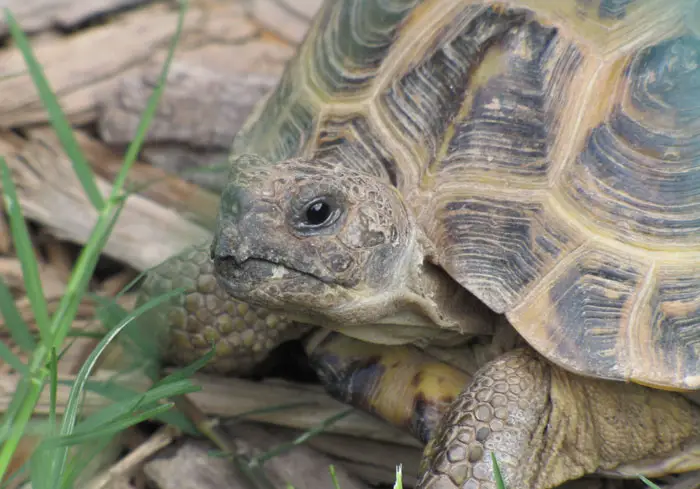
(422, 305)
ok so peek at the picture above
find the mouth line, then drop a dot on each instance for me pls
(240, 265)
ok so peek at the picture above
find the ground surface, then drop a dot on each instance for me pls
(102, 58)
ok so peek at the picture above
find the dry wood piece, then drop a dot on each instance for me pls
(229, 397)
(190, 201)
(5, 238)
(37, 15)
(217, 35)
(50, 193)
(289, 19)
(120, 472)
(200, 107)
(375, 463)
(191, 465)
(197, 117)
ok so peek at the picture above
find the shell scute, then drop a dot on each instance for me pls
(550, 150)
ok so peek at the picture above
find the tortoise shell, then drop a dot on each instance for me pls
(549, 149)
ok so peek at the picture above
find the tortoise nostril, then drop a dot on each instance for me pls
(226, 245)
(212, 247)
(234, 203)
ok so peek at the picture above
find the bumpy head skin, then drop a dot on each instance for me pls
(307, 237)
(329, 246)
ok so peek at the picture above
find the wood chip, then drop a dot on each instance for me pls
(374, 462)
(38, 15)
(191, 465)
(229, 397)
(289, 20)
(200, 107)
(51, 194)
(197, 118)
(134, 460)
(133, 40)
(5, 238)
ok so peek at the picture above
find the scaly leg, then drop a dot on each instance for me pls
(547, 426)
(204, 315)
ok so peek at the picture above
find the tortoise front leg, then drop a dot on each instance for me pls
(546, 426)
(205, 315)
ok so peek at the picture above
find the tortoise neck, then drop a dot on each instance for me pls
(448, 305)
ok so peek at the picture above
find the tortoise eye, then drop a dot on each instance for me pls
(319, 213)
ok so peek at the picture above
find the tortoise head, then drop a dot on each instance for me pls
(326, 244)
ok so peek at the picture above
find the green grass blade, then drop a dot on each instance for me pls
(142, 340)
(121, 394)
(82, 459)
(189, 370)
(18, 328)
(73, 405)
(398, 482)
(12, 411)
(53, 388)
(130, 401)
(283, 448)
(13, 360)
(59, 122)
(334, 477)
(80, 278)
(17, 417)
(497, 473)
(108, 430)
(24, 249)
(38, 462)
(648, 482)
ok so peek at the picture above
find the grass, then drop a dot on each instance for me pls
(73, 429)
(58, 433)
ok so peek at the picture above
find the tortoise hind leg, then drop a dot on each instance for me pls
(546, 426)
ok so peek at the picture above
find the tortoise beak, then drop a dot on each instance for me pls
(245, 228)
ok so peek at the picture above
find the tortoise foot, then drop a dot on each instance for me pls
(546, 426)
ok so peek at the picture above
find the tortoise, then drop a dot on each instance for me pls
(427, 169)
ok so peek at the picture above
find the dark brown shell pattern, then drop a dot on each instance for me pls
(549, 149)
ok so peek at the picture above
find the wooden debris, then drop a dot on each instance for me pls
(51, 194)
(217, 35)
(373, 462)
(5, 238)
(125, 468)
(191, 465)
(197, 118)
(200, 108)
(37, 15)
(289, 19)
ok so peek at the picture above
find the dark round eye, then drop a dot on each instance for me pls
(318, 213)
